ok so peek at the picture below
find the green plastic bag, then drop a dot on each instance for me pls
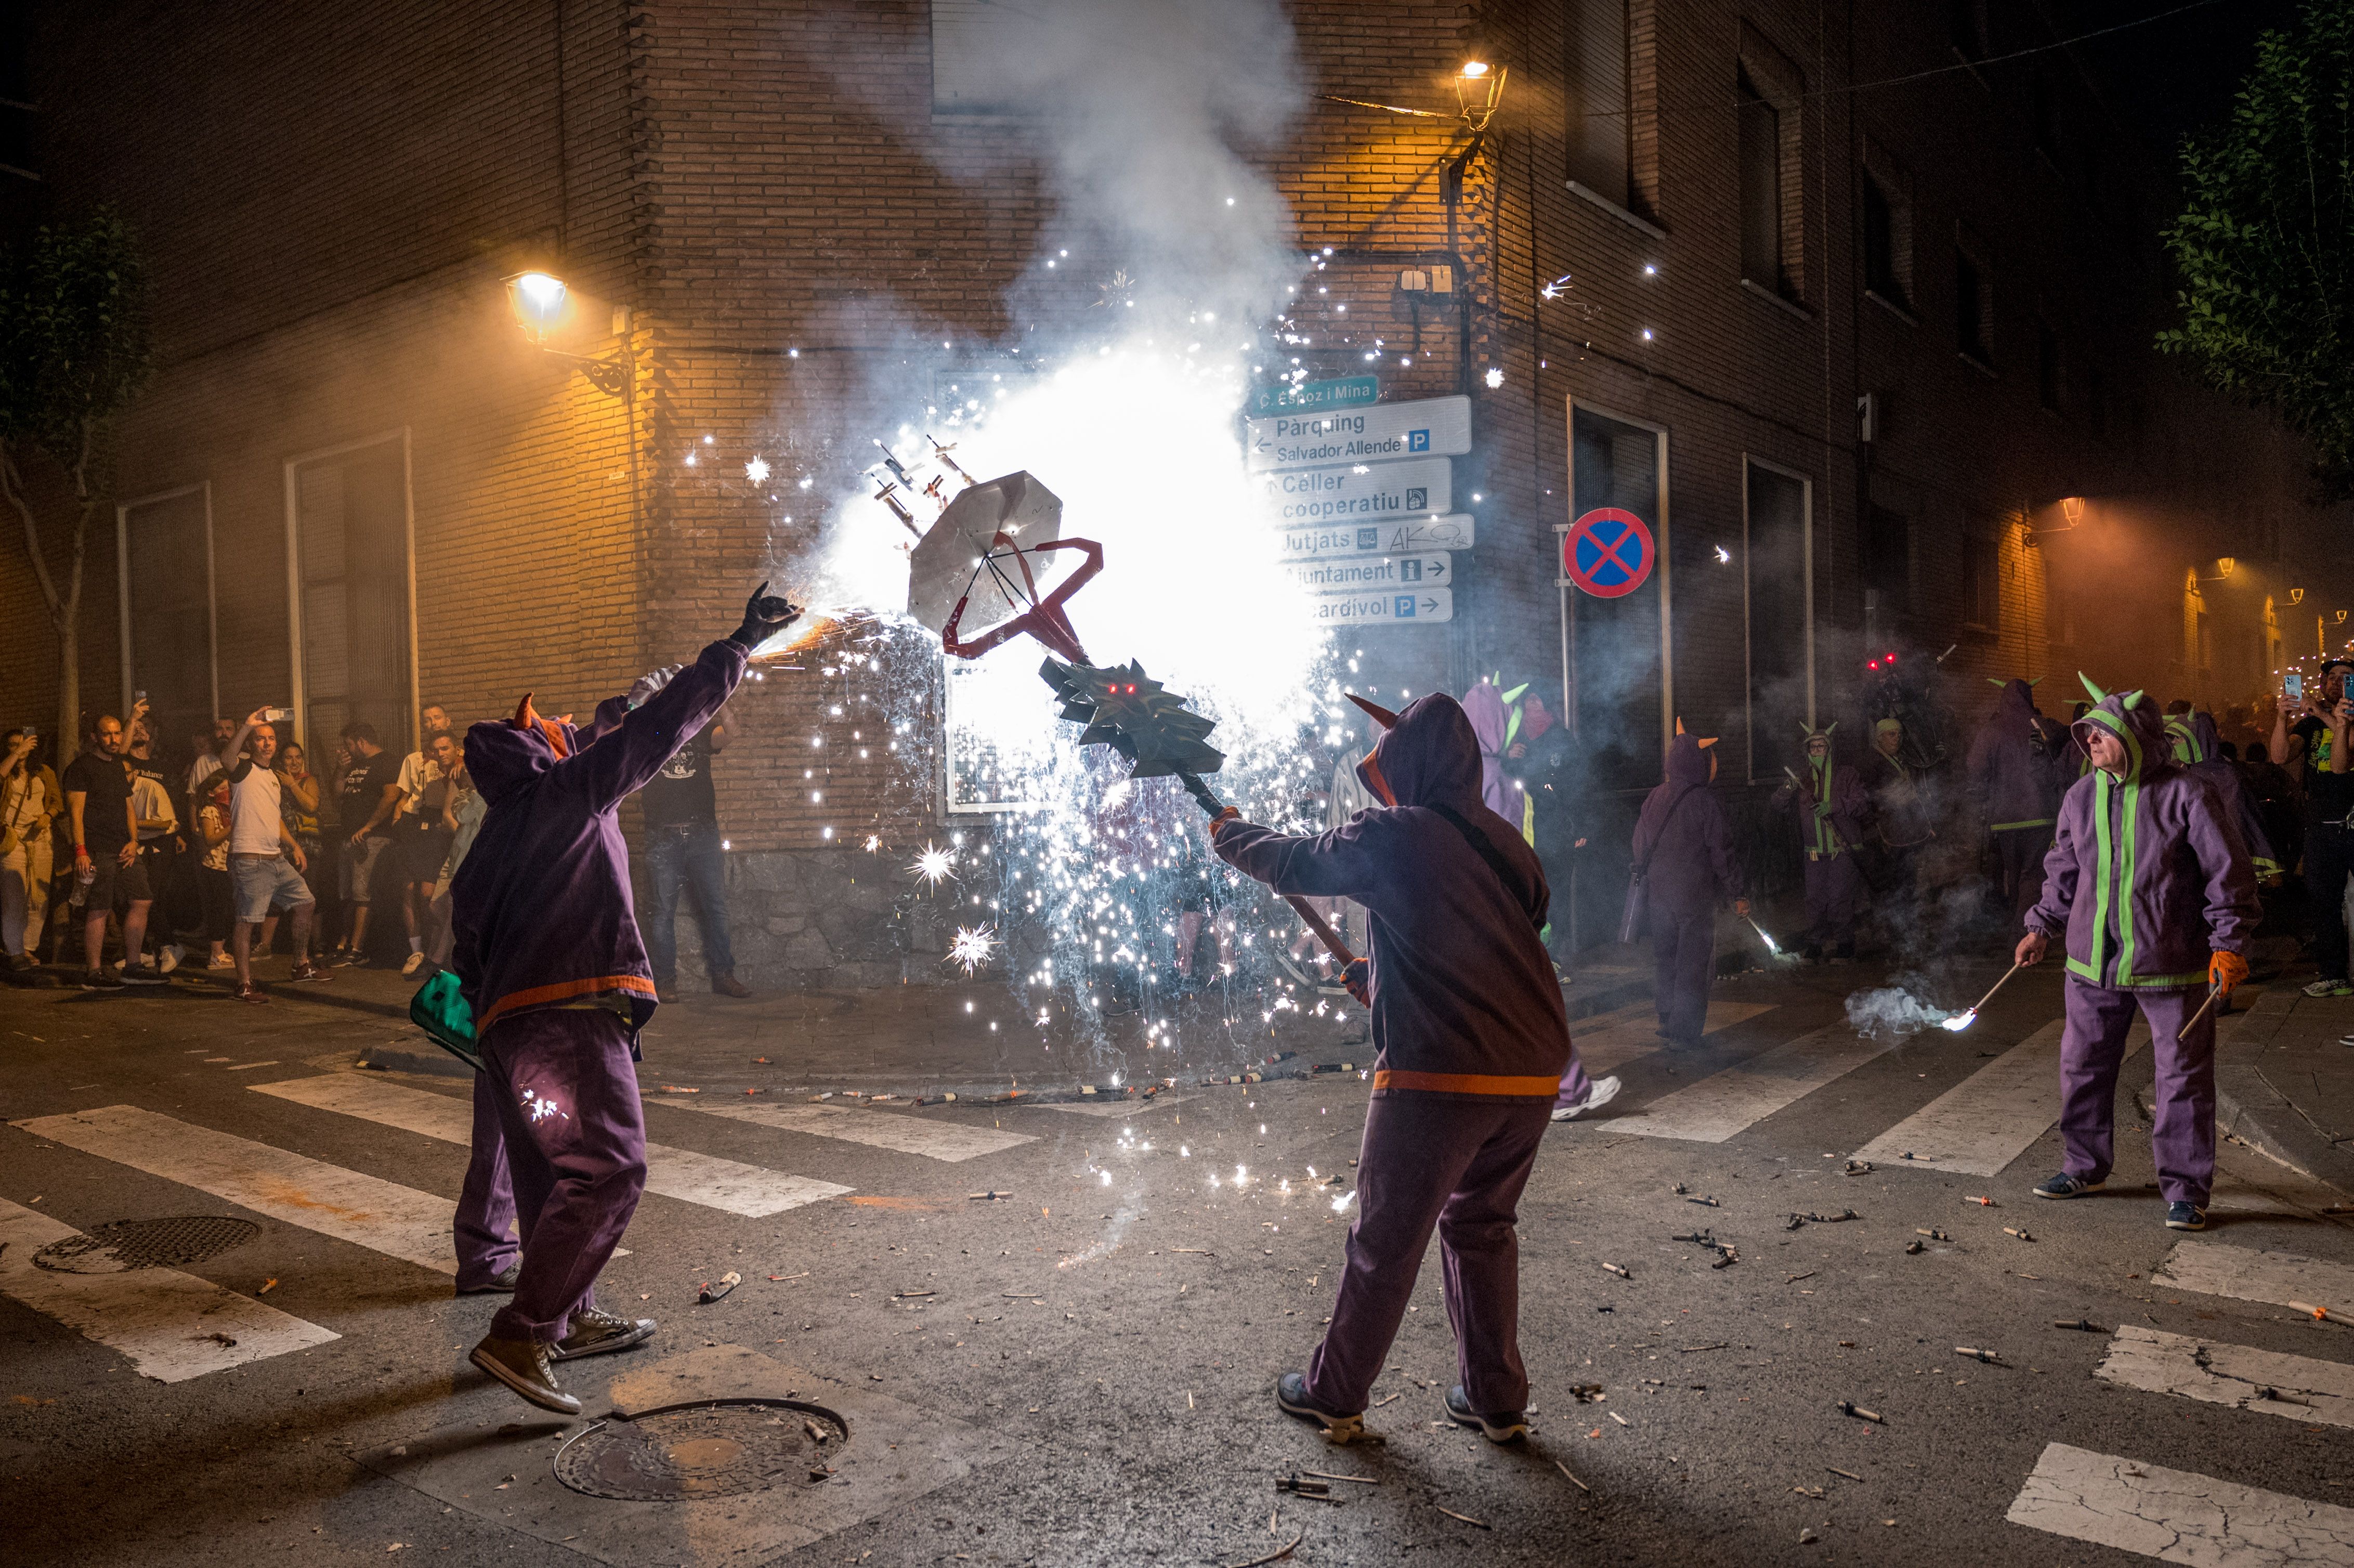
(440, 1011)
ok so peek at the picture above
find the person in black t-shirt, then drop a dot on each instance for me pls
(2328, 848)
(682, 849)
(368, 794)
(106, 857)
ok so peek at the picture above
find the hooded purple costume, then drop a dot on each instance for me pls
(1470, 1037)
(549, 957)
(2198, 748)
(1686, 857)
(2017, 767)
(2147, 876)
(1834, 814)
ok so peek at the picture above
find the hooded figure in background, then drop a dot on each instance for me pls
(2149, 886)
(1899, 800)
(1471, 1039)
(1683, 854)
(1833, 815)
(2198, 748)
(549, 957)
(2019, 762)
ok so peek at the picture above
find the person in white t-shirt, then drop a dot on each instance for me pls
(265, 864)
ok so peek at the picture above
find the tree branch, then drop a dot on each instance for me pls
(12, 484)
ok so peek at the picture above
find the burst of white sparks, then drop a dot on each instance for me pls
(932, 865)
(756, 470)
(874, 842)
(973, 946)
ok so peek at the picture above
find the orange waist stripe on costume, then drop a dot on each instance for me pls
(637, 984)
(1466, 1084)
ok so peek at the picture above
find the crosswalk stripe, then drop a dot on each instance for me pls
(1621, 1040)
(164, 1321)
(738, 1189)
(1992, 1117)
(2176, 1515)
(2246, 1273)
(2241, 1376)
(946, 1140)
(1722, 1104)
(399, 1222)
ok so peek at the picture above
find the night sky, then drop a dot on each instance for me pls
(2176, 72)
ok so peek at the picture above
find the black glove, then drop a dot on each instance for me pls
(765, 615)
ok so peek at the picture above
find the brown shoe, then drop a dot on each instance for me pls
(522, 1365)
(729, 985)
(596, 1333)
(251, 992)
(307, 970)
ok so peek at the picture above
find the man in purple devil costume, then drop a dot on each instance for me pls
(2019, 762)
(2149, 882)
(1833, 813)
(1469, 1038)
(1686, 857)
(2199, 749)
(549, 957)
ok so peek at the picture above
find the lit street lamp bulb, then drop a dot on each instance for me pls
(1474, 69)
(538, 300)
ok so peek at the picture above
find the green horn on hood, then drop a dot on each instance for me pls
(1998, 685)
(2131, 700)
(2098, 694)
(2034, 681)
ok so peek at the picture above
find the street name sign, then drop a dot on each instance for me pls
(1405, 607)
(1372, 572)
(1348, 392)
(1364, 492)
(1452, 531)
(1384, 433)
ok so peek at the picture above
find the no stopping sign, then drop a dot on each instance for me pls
(1608, 552)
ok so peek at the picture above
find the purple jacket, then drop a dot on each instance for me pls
(2199, 749)
(2017, 765)
(541, 908)
(1841, 828)
(2146, 874)
(1680, 841)
(1465, 1000)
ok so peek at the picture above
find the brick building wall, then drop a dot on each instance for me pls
(333, 199)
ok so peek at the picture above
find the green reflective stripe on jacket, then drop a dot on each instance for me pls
(2114, 884)
(1827, 841)
(2014, 827)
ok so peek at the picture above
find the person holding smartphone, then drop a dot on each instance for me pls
(27, 802)
(2328, 846)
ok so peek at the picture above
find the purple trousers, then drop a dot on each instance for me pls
(1834, 895)
(486, 1205)
(1683, 960)
(567, 1094)
(2093, 1046)
(1456, 1166)
(2019, 867)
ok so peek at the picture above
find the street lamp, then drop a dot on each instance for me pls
(542, 303)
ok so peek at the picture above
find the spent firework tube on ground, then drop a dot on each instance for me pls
(975, 575)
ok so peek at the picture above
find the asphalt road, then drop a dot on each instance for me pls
(1079, 1371)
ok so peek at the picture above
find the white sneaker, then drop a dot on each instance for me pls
(220, 961)
(167, 958)
(411, 964)
(1598, 1093)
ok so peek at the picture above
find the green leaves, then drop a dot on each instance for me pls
(2264, 245)
(74, 345)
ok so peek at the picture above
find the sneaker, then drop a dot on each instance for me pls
(341, 958)
(596, 1333)
(522, 1365)
(21, 963)
(142, 974)
(2330, 987)
(729, 985)
(411, 964)
(251, 992)
(306, 971)
(168, 957)
(2067, 1186)
(1598, 1093)
(1291, 1394)
(1506, 1426)
(222, 962)
(100, 979)
(2186, 1217)
(497, 1284)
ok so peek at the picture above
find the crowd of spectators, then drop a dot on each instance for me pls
(243, 852)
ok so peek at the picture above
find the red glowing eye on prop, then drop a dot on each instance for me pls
(1873, 665)
(1892, 658)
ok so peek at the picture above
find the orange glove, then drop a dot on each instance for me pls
(1359, 978)
(1228, 815)
(2226, 970)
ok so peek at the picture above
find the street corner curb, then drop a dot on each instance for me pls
(402, 1056)
(2251, 1110)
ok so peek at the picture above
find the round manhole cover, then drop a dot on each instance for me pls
(705, 1450)
(146, 1244)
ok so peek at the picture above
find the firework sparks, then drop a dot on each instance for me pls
(874, 842)
(932, 865)
(973, 946)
